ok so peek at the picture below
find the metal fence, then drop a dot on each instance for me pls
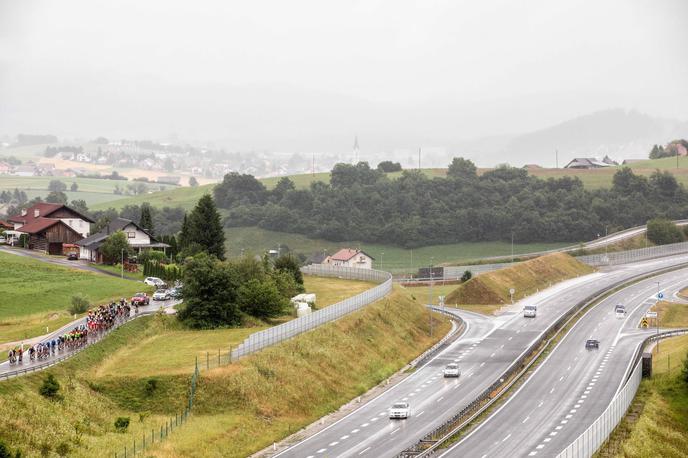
(282, 332)
(597, 433)
(624, 257)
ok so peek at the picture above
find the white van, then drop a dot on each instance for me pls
(529, 311)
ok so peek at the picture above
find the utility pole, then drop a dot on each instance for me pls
(512, 247)
(430, 301)
(122, 263)
(556, 154)
(657, 318)
(606, 244)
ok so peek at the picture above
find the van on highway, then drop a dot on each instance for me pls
(529, 311)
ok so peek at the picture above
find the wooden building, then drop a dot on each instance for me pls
(48, 235)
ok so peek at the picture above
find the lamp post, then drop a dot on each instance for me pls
(657, 319)
(122, 262)
(382, 258)
(606, 245)
(512, 247)
(430, 296)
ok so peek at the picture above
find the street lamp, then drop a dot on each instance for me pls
(382, 257)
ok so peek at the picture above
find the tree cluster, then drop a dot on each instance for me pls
(224, 293)
(671, 150)
(414, 210)
(662, 231)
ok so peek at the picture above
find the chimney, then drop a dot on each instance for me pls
(36, 213)
(23, 212)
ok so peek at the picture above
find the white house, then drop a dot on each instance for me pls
(138, 238)
(346, 257)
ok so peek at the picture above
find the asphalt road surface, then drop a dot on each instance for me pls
(573, 386)
(485, 350)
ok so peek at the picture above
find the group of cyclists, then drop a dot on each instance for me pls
(98, 320)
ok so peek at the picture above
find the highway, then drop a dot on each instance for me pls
(484, 352)
(573, 386)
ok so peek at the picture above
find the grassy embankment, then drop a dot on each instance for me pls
(657, 421)
(487, 292)
(36, 294)
(239, 408)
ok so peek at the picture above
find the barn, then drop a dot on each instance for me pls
(48, 235)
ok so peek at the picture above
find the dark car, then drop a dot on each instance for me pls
(140, 299)
(72, 256)
(175, 293)
(592, 343)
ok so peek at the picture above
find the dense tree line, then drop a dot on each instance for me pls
(361, 203)
(671, 150)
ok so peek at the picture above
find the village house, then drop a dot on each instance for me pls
(5, 168)
(137, 237)
(347, 257)
(590, 163)
(49, 226)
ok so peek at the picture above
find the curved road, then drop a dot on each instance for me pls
(573, 386)
(484, 353)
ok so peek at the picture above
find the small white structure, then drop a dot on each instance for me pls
(308, 298)
(303, 309)
(347, 257)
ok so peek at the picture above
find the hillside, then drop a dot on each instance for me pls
(526, 278)
(239, 408)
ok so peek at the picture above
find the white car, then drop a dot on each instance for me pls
(452, 370)
(3, 239)
(153, 281)
(161, 295)
(399, 410)
(620, 311)
(529, 311)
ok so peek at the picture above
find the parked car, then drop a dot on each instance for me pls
(452, 370)
(154, 281)
(529, 311)
(140, 299)
(175, 293)
(400, 410)
(3, 239)
(161, 295)
(72, 256)
(592, 343)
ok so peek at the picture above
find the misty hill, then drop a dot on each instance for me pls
(618, 133)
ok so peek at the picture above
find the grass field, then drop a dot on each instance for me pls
(492, 288)
(238, 409)
(36, 294)
(329, 291)
(390, 258)
(672, 314)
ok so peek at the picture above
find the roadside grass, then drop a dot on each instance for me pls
(329, 291)
(28, 326)
(84, 417)
(387, 257)
(672, 314)
(31, 288)
(683, 293)
(117, 270)
(492, 288)
(656, 423)
(264, 397)
(631, 243)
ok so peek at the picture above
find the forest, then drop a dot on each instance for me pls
(362, 203)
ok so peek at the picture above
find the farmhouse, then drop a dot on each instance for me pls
(589, 163)
(347, 257)
(5, 168)
(138, 238)
(72, 218)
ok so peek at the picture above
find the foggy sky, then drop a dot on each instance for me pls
(312, 74)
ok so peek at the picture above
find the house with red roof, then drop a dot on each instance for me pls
(347, 257)
(49, 226)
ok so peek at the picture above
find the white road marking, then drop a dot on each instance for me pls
(344, 437)
(525, 419)
(507, 437)
(491, 356)
(321, 450)
(394, 431)
(551, 391)
(532, 454)
(510, 338)
(354, 431)
(420, 414)
(482, 364)
(365, 425)
(547, 439)
(540, 446)
(553, 433)
(364, 450)
(540, 404)
(563, 422)
(558, 427)
(332, 444)
(561, 378)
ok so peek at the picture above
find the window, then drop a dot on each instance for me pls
(131, 235)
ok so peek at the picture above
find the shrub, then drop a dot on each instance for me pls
(50, 387)
(62, 449)
(467, 275)
(151, 386)
(684, 371)
(79, 304)
(663, 231)
(121, 424)
(4, 451)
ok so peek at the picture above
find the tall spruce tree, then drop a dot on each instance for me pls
(205, 227)
(182, 240)
(146, 221)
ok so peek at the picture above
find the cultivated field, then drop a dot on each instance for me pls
(37, 294)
